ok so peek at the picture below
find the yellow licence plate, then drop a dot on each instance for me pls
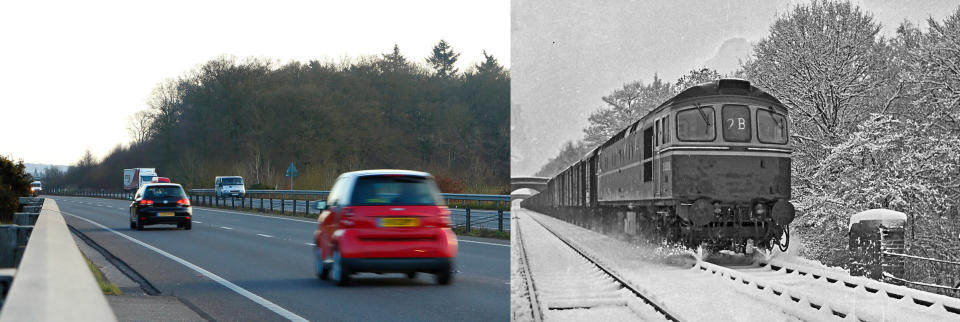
(399, 222)
(164, 214)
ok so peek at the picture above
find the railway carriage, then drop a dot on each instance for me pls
(709, 166)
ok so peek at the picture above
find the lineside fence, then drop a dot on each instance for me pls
(469, 211)
(878, 250)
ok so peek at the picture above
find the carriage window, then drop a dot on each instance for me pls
(696, 124)
(771, 127)
(736, 123)
(666, 129)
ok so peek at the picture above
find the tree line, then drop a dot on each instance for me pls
(876, 122)
(253, 117)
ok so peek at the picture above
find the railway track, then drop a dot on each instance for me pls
(816, 293)
(565, 283)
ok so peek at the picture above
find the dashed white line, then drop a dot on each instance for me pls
(310, 244)
(477, 242)
(197, 222)
(239, 290)
(226, 227)
(268, 236)
(245, 214)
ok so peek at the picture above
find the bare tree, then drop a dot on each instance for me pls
(138, 125)
(825, 61)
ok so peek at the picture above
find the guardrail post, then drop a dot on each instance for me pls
(261, 203)
(233, 202)
(499, 218)
(468, 219)
(308, 208)
(283, 205)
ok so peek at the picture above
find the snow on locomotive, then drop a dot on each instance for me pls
(710, 166)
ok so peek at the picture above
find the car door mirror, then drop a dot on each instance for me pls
(321, 205)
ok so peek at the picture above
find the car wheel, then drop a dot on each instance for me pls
(133, 225)
(187, 225)
(444, 277)
(411, 275)
(321, 269)
(340, 274)
(139, 225)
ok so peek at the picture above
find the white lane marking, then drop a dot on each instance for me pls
(198, 222)
(310, 244)
(485, 243)
(233, 287)
(268, 236)
(245, 214)
(226, 227)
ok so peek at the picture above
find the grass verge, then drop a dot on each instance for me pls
(105, 286)
(462, 231)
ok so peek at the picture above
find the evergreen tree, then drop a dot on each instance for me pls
(443, 59)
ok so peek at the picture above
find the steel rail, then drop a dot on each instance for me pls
(535, 309)
(645, 298)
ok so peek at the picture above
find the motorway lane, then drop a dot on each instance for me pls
(488, 218)
(271, 257)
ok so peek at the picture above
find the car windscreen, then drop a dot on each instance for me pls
(395, 190)
(157, 192)
(146, 178)
(35, 184)
(231, 181)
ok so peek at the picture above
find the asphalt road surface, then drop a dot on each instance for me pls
(488, 219)
(242, 266)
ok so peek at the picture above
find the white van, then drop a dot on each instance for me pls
(229, 186)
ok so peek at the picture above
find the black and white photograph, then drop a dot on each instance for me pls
(735, 161)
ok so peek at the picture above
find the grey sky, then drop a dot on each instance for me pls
(567, 54)
(73, 71)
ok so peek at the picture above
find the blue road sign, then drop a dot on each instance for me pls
(291, 170)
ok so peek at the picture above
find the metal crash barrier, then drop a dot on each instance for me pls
(47, 279)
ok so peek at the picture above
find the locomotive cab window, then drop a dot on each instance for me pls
(771, 127)
(696, 124)
(736, 123)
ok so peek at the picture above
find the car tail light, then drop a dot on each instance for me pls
(183, 202)
(146, 202)
(445, 221)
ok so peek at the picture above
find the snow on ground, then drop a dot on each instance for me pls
(570, 288)
(699, 296)
(693, 295)
(519, 298)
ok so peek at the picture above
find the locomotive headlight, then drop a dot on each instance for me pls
(760, 209)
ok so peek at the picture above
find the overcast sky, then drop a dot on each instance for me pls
(71, 72)
(567, 54)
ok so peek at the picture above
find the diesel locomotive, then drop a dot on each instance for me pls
(708, 167)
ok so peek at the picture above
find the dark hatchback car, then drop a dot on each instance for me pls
(160, 203)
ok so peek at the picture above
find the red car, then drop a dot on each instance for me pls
(384, 221)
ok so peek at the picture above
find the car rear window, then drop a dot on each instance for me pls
(164, 192)
(395, 190)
